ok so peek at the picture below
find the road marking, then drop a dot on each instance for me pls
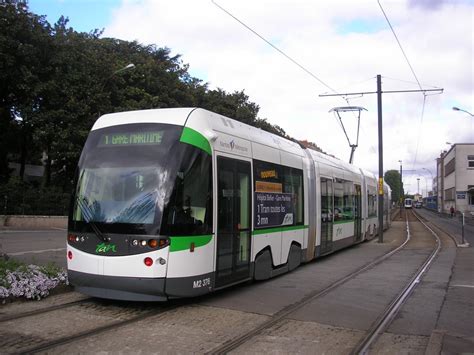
(468, 286)
(35, 251)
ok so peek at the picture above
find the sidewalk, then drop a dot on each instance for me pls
(452, 226)
(454, 331)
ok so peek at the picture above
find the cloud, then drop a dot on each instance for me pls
(343, 43)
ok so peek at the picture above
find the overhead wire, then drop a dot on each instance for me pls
(416, 78)
(274, 47)
(283, 54)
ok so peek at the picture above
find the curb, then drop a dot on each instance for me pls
(435, 344)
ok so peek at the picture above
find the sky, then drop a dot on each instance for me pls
(339, 46)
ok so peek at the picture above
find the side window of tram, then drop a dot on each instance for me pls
(343, 200)
(326, 200)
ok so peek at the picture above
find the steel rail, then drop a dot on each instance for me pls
(386, 318)
(44, 310)
(277, 317)
(88, 333)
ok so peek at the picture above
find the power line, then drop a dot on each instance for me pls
(279, 50)
(416, 78)
(274, 47)
(399, 44)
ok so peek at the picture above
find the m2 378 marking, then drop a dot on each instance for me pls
(202, 283)
(104, 248)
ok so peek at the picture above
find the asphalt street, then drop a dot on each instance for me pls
(38, 247)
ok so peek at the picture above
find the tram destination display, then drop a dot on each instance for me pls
(273, 209)
(131, 138)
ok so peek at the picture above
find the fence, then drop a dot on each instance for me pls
(35, 202)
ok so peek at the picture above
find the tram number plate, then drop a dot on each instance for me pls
(202, 283)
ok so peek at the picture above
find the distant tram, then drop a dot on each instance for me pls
(408, 203)
(181, 202)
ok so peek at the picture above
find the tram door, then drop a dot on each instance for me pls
(233, 220)
(327, 215)
(358, 213)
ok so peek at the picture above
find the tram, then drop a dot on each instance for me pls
(172, 203)
(408, 203)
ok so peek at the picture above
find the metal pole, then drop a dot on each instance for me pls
(401, 189)
(380, 199)
(462, 228)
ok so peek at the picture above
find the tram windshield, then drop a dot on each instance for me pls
(140, 178)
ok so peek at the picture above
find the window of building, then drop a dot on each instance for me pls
(450, 194)
(449, 168)
(470, 161)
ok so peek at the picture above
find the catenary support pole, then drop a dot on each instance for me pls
(380, 200)
(379, 107)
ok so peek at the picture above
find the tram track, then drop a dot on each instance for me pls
(113, 315)
(36, 312)
(378, 326)
(286, 311)
(388, 315)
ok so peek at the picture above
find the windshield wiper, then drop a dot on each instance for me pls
(87, 213)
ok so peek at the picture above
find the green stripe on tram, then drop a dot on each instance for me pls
(344, 222)
(184, 243)
(192, 137)
(278, 229)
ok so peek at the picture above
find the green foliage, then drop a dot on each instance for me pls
(7, 265)
(19, 197)
(392, 178)
(55, 82)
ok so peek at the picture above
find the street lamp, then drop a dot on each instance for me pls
(428, 170)
(460, 109)
(106, 81)
(128, 66)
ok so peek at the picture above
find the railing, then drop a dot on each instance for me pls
(29, 203)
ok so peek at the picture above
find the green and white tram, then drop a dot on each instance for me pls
(181, 202)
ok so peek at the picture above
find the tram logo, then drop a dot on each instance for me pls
(104, 248)
(234, 146)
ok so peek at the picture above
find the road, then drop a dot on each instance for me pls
(440, 306)
(38, 247)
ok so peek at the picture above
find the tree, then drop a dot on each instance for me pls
(24, 52)
(55, 82)
(392, 178)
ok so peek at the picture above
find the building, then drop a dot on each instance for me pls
(455, 178)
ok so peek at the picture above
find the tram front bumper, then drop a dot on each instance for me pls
(118, 287)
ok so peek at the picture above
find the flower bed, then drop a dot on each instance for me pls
(18, 280)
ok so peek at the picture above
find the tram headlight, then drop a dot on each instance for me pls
(152, 243)
(134, 242)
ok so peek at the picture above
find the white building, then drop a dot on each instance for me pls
(455, 179)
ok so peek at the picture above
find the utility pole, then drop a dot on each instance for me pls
(379, 93)
(379, 115)
(400, 198)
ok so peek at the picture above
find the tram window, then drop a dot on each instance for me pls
(371, 198)
(293, 183)
(189, 211)
(338, 199)
(348, 208)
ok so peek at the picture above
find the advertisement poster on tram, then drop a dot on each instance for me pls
(272, 207)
